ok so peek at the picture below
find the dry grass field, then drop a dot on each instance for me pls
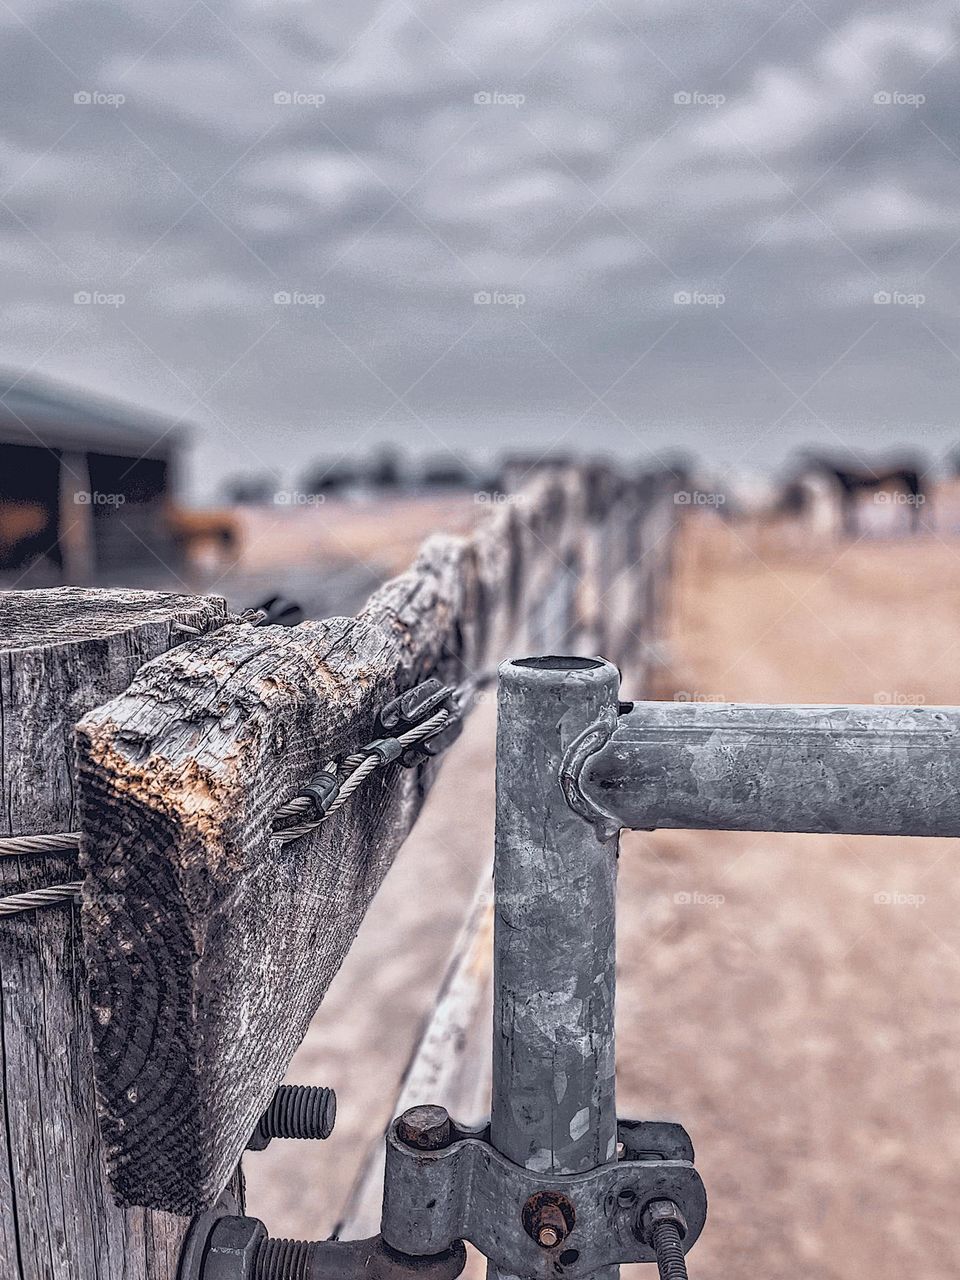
(803, 1026)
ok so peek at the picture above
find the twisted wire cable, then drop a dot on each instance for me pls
(52, 896)
(351, 772)
(23, 846)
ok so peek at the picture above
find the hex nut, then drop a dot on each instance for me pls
(234, 1244)
(660, 1211)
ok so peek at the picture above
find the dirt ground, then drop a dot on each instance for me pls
(793, 1000)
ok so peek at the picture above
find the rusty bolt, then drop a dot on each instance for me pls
(427, 1128)
(551, 1227)
(548, 1218)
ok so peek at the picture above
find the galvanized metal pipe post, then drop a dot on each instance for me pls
(554, 1098)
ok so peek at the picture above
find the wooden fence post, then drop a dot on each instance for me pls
(62, 653)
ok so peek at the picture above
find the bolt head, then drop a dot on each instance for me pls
(660, 1211)
(549, 1237)
(427, 1128)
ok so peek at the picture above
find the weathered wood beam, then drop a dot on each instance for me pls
(61, 653)
(210, 943)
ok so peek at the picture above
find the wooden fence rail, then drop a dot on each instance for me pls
(207, 943)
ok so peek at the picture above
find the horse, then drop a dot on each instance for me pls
(195, 532)
(850, 480)
(26, 533)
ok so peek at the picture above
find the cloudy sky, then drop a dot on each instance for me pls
(622, 224)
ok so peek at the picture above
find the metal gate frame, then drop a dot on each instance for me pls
(556, 1187)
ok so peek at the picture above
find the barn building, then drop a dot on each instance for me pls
(85, 485)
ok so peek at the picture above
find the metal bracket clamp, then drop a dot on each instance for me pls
(575, 758)
(413, 707)
(468, 1191)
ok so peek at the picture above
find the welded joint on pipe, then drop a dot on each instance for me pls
(593, 739)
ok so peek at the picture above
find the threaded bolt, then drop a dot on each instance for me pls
(296, 1111)
(663, 1227)
(666, 1241)
(551, 1227)
(282, 1260)
(238, 1248)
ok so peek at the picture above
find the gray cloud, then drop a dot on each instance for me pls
(794, 161)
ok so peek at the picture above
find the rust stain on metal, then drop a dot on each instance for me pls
(548, 1217)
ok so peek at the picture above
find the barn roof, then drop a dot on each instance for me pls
(38, 411)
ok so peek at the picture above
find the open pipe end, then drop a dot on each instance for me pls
(550, 662)
(592, 683)
(558, 670)
(592, 680)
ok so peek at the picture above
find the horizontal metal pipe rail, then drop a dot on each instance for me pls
(857, 770)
